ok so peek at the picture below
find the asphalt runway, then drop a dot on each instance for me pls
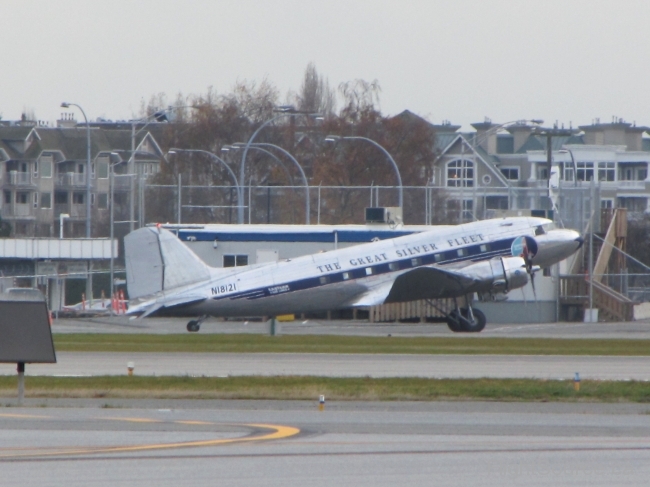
(347, 365)
(243, 443)
(121, 324)
(342, 365)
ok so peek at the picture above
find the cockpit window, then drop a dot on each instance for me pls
(539, 230)
(548, 227)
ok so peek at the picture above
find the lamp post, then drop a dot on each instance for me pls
(575, 166)
(237, 146)
(159, 116)
(295, 161)
(285, 111)
(334, 138)
(216, 159)
(88, 166)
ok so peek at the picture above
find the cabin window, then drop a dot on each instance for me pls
(346, 276)
(393, 266)
(461, 252)
(235, 260)
(324, 279)
(437, 257)
(484, 248)
(416, 262)
(368, 271)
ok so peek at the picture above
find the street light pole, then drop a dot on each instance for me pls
(302, 173)
(333, 138)
(88, 164)
(286, 111)
(175, 150)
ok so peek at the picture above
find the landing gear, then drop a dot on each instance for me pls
(468, 320)
(195, 325)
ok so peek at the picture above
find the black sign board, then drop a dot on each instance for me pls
(25, 334)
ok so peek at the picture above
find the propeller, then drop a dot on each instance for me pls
(526, 248)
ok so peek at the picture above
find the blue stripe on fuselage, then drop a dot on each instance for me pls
(459, 254)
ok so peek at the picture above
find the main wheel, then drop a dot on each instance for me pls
(193, 326)
(454, 321)
(477, 324)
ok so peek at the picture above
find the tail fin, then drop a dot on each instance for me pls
(157, 260)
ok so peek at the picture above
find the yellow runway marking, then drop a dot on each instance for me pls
(277, 432)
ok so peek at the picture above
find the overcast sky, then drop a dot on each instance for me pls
(456, 60)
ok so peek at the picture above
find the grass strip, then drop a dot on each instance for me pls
(469, 345)
(339, 389)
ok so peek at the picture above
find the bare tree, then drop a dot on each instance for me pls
(315, 93)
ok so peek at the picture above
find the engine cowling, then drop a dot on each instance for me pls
(513, 273)
(498, 275)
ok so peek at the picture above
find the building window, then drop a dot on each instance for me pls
(22, 197)
(35, 169)
(606, 203)
(633, 204)
(235, 260)
(606, 171)
(102, 199)
(496, 202)
(35, 201)
(585, 171)
(102, 168)
(46, 200)
(460, 173)
(78, 198)
(60, 198)
(8, 197)
(510, 173)
(46, 169)
(632, 173)
(568, 173)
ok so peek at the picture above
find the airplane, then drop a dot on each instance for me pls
(489, 257)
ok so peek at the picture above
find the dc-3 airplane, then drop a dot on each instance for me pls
(487, 257)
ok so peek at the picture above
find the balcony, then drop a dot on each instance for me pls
(18, 210)
(71, 180)
(17, 178)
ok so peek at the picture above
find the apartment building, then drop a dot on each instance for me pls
(43, 174)
(507, 167)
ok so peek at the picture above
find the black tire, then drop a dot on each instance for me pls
(193, 326)
(479, 321)
(453, 322)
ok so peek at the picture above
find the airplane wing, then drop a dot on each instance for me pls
(429, 283)
(420, 283)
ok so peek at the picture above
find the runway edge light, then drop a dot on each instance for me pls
(129, 367)
(321, 403)
(576, 381)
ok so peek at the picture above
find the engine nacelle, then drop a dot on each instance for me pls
(498, 275)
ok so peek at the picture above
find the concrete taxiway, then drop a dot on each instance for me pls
(242, 443)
